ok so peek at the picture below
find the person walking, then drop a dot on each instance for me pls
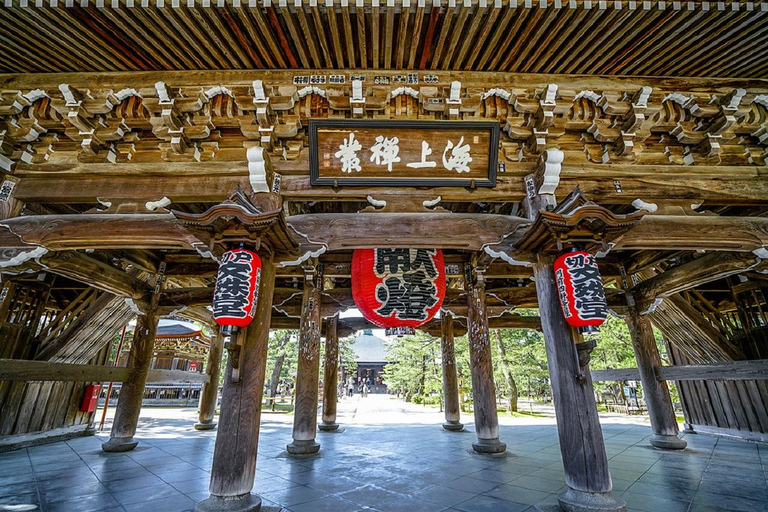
(350, 386)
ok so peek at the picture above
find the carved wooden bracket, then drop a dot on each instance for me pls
(238, 220)
(576, 221)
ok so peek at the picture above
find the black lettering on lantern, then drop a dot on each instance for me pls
(588, 292)
(232, 296)
(408, 288)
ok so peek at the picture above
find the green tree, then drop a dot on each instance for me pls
(524, 357)
(413, 368)
(282, 357)
(347, 355)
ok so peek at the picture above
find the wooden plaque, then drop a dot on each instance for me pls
(403, 153)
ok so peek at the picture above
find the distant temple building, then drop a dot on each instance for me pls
(179, 345)
(371, 357)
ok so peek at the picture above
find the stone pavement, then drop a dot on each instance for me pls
(392, 456)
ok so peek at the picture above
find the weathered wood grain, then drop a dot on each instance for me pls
(578, 426)
(481, 368)
(330, 373)
(210, 391)
(710, 267)
(234, 456)
(655, 392)
(30, 370)
(450, 382)
(308, 370)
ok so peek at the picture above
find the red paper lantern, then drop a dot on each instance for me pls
(580, 287)
(237, 286)
(398, 287)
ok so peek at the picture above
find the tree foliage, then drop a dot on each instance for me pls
(413, 368)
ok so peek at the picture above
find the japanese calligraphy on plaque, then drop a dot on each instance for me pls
(403, 153)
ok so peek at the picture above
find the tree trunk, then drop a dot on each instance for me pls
(511, 384)
(275, 378)
(423, 377)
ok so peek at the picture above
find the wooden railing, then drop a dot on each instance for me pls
(25, 370)
(731, 370)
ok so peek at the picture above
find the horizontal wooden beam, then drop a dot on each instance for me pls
(710, 267)
(97, 231)
(24, 370)
(215, 182)
(83, 268)
(731, 370)
(616, 374)
(704, 232)
(176, 376)
(339, 231)
(147, 79)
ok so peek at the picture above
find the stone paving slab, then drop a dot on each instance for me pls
(391, 457)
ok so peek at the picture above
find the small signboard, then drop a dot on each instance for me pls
(403, 153)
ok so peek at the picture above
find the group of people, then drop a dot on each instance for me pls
(362, 385)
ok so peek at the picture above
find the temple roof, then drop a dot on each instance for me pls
(651, 38)
(370, 349)
(178, 329)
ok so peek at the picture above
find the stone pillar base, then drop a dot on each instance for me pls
(244, 503)
(119, 444)
(328, 427)
(205, 425)
(453, 426)
(663, 442)
(489, 446)
(582, 501)
(303, 447)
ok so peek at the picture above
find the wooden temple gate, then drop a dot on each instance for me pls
(120, 192)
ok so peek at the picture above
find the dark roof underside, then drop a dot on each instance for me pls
(703, 39)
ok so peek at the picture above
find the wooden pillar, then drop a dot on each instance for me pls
(308, 370)
(211, 388)
(331, 375)
(578, 426)
(656, 392)
(450, 382)
(132, 391)
(237, 440)
(481, 366)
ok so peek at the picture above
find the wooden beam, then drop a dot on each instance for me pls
(710, 267)
(732, 370)
(175, 297)
(446, 230)
(216, 180)
(83, 268)
(617, 374)
(706, 232)
(147, 79)
(25, 370)
(98, 231)
(176, 376)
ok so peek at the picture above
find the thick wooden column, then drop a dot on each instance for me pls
(132, 391)
(481, 366)
(450, 382)
(237, 440)
(656, 392)
(307, 373)
(581, 439)
(331, 375)
(210, 391)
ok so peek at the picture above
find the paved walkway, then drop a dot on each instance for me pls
(392, 457)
